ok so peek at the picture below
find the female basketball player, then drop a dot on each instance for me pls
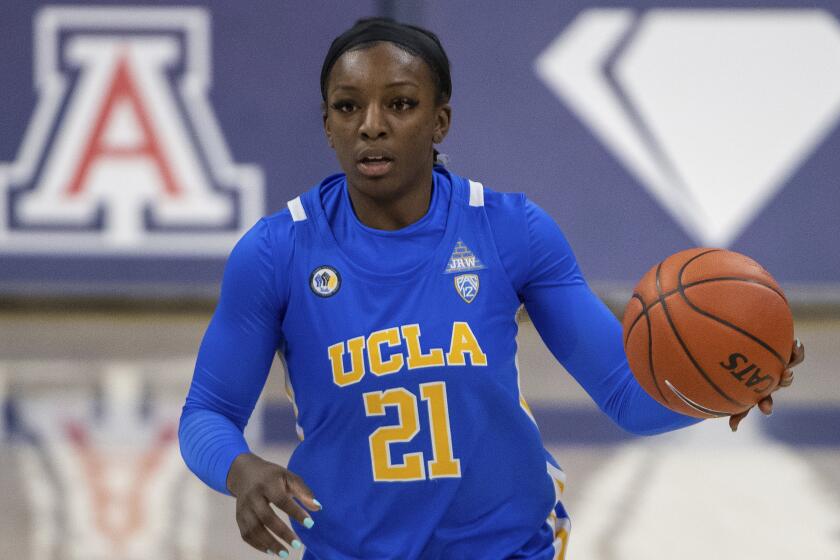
(391, 292)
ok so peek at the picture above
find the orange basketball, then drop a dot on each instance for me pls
(708, 332)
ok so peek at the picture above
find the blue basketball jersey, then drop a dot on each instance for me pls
(401, 356)
(414, 434)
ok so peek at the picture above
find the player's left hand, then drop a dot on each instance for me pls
(765, 405)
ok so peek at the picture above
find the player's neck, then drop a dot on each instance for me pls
(393, 213)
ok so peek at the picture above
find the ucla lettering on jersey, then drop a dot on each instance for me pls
(462, 344)
(406, 391)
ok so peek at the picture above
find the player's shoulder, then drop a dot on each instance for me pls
(515, 207)
(277, 231)
(290, 223)
(506, 212)
(280, 222)
(505, 204)
(507, 218)
(274, 230)
(303, 208)
(498, 203)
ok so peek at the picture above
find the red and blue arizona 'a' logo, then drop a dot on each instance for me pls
(123, 153)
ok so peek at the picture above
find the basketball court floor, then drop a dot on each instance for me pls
(90, 467)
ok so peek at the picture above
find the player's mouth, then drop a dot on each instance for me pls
(374, 163)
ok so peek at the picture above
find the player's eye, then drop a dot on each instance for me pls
(403, 104)
(343, 106)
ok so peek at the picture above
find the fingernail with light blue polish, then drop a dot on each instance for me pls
(296, 543)
(284, 554)
(308, 523)
(317, 503)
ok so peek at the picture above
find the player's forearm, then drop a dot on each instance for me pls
(636, 412)
(586, 338)
(209, 444)
(231, 369)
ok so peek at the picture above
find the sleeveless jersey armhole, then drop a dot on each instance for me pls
(511, 236)
(282, 254)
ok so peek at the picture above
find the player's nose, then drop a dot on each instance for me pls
(373, 124)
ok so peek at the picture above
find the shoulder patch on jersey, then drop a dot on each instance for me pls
(297, 210)
(476, 193)
(462, 260)
(467, 286)
(324, 281)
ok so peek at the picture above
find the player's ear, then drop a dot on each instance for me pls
(327, 130)
(443, 118)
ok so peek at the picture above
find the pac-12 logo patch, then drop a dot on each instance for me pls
(467, 286)
(123, 154)
(325, 281)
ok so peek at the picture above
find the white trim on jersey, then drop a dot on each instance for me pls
(290, 391)
(476, 194)
(559, 478)
(296, 208)
(560, 526)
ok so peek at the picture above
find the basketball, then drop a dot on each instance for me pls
(708, 332)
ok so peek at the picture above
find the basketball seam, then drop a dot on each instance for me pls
(723, 321)
(680, 340)
(650, 347)
(639, 316)
(697, 283)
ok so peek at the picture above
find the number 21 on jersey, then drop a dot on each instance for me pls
(413, 465)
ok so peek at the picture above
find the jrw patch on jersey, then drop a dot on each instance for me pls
(123, 153)
(462, 259)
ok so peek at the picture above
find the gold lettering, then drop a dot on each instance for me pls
(464, 342)
(416, 358)
(357, 361)
(378, 366)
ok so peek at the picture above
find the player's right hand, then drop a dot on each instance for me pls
(765, 405)
(257, 484)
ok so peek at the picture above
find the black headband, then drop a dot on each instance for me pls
(415, 40)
